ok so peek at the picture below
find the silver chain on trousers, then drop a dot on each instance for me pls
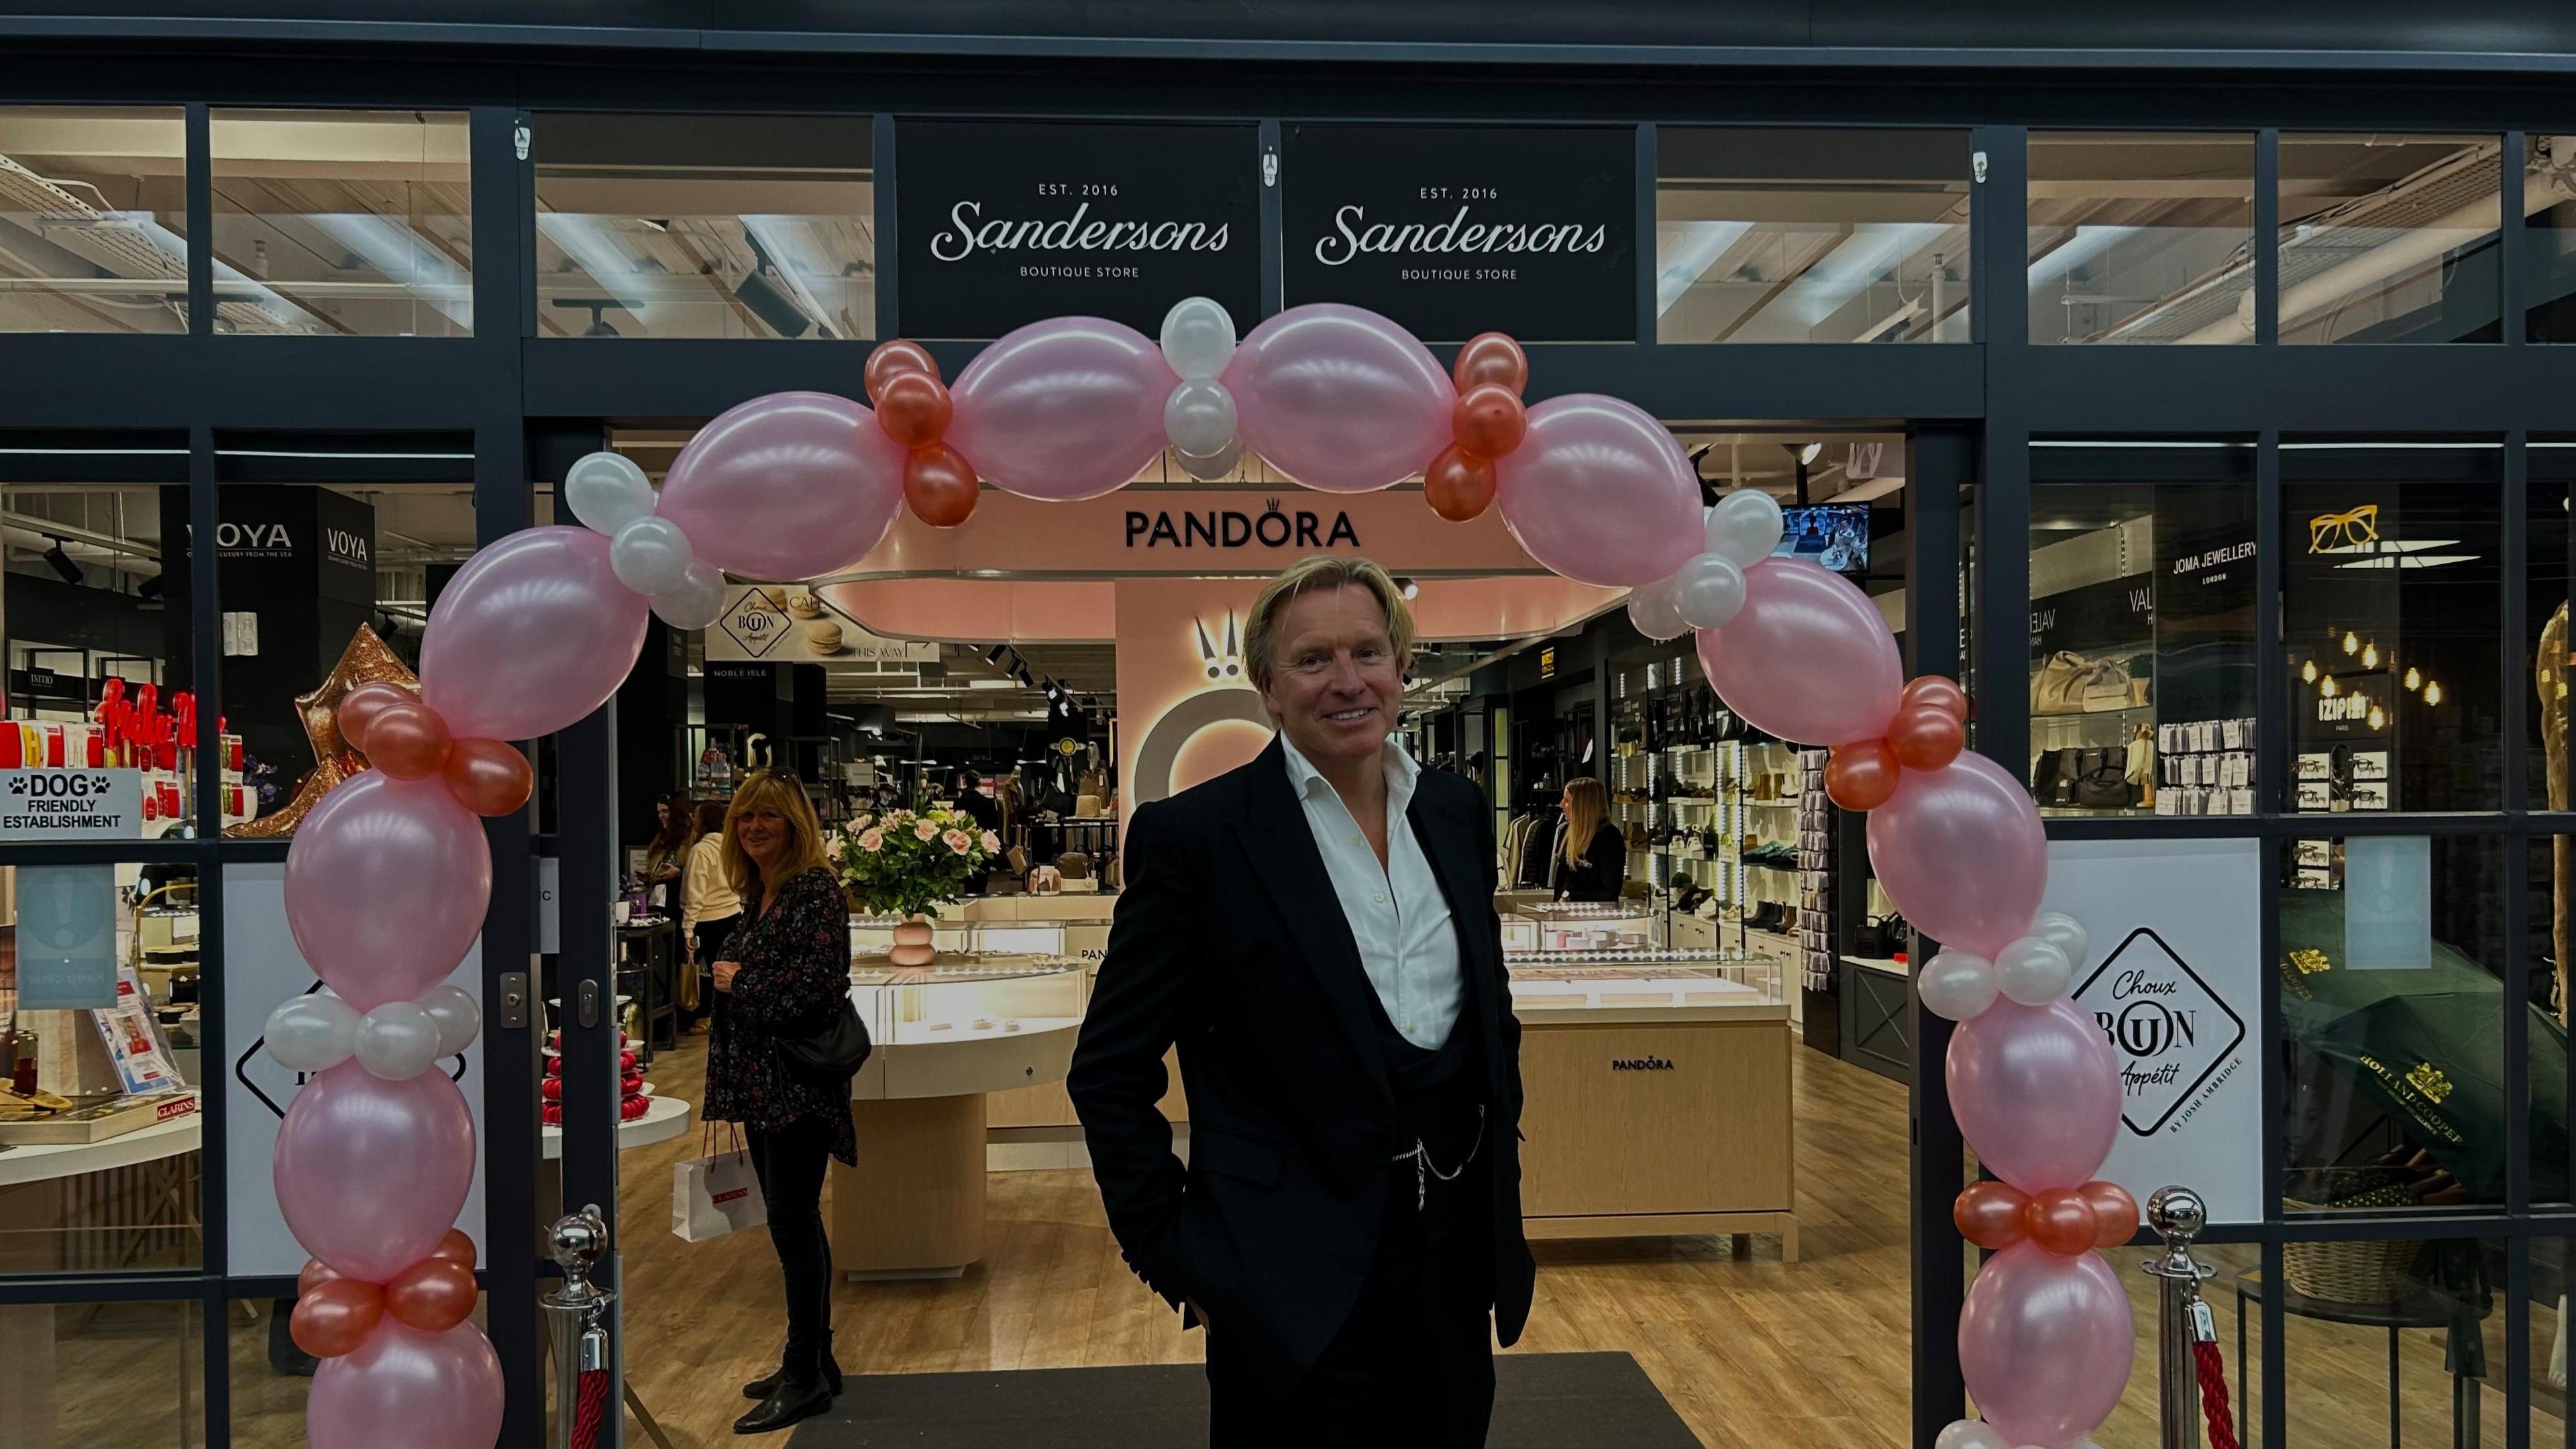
(1424, 1171)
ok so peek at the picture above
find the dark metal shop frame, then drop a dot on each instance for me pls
(1972, 411)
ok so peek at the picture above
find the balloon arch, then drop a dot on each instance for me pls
(387, 880)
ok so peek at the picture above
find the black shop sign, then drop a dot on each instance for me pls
(1456, 230)
(1003, 223)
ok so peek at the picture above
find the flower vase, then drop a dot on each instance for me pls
(912, 945)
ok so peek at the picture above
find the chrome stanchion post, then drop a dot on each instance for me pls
(2177, 1216)
(576, 1313)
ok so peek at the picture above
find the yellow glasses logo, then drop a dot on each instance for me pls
(2346, 532)
(2428, 1079)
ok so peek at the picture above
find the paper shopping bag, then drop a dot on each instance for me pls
(715, 1194)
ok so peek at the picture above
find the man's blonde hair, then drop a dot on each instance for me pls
(766, 790)
(1321, 572)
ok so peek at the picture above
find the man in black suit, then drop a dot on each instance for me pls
(1316, 931)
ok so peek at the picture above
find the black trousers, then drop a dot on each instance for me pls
(1413, 1366)
(790, 1164)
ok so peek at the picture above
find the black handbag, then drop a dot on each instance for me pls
(2104, 785)
(832, 1054)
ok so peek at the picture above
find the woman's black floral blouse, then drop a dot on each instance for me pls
(795, 971)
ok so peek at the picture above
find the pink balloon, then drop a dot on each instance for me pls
(2036, 1092)
(2045, 1343)
(1063, 409)
(385, 887)
(1339, 398)
(1599, 492)
(787, 486)
(371, 1173)
(1960, 851)
(1808, 658)
(403, 1386)
(532, 634)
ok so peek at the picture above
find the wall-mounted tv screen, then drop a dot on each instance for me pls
(1835, 535)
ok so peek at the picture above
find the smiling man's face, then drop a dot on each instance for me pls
(1334, 679)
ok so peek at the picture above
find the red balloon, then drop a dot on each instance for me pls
(2060, 1220)
(1491, 357)
(315, 1274)
(940, 486)
(913, 408)
(456, 1247)
(360, 706)
(1940, 691)
(1457, 486)
(895, 358)
(1925, 737)
(488, 777)
(1988, 1214)
(1489, 421)
(2115, 1212)
(1861, 775)
(336, 1317)
(432, 1295)
(407, 741)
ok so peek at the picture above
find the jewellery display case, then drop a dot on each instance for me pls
(1621, 926)
(975, 998)
(874, 935)
(1655, 1088)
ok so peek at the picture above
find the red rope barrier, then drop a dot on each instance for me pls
(2213, 1396)
(591, 1411)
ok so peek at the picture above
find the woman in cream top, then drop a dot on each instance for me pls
(709, 907)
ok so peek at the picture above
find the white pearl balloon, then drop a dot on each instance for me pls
(607, 491)
(457, 1015)
(1745, 527)
(2032, 971)
(1958, 986)
(1199, 417)
(651, 555)
(1970, 1434)
(312, 1033)
(2067, 933)
(397, 1041)
(1198, 338)
(697, 602)
(1211, 467)
(1709, 591)
(1656, 612)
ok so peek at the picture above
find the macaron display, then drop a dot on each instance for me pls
(823, 636)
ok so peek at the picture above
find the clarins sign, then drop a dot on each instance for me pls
(1456, 230)
(1004, 223)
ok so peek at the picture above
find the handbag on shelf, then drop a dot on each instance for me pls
(2070, 683)
(2103, 783)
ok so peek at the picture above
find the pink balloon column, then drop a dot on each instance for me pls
(387, 883)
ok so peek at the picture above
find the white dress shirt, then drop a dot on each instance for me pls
(1397, 915)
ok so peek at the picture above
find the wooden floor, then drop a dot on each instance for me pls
(1749, 1351)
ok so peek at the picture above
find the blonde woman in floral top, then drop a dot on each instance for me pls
(786, 970)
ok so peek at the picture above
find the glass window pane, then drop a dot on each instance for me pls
(2390, 601)
(343, 223)
(104, 1375)
(2141, 237)
(2549, 911)
(2549, 263)
(2388, 1342)
(705, 226)
(2392, 1015)
(2142, 652)
(2548, 646)
(1775, 235)
(93, 219)
(2388, 238)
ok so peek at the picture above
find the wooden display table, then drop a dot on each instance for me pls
(914, 1206)
(35, 1184)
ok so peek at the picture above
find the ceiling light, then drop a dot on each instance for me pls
(2414, 680)
(994, 655)
(2328, 688)
(2308, 672)
(2432, 692)
(1409, 588)
(62, 562)
(2370, 655)
(2351, 642)
(1811, 452)
(2378, 718)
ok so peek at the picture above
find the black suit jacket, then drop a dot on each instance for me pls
(1230, 941)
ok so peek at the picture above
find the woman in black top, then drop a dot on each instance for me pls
(786, 970)
(1595, 862)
